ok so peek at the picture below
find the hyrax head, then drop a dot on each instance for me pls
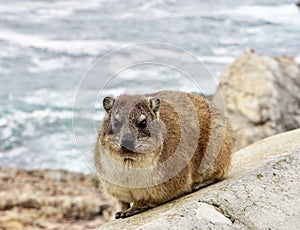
(134, 124)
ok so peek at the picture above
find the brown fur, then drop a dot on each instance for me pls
(212, 155)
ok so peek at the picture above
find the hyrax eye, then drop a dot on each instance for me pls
(143, 124)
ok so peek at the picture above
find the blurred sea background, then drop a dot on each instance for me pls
(46, 47)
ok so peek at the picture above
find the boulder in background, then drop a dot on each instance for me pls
(261, 96)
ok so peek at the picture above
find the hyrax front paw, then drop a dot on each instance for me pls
(129, 212)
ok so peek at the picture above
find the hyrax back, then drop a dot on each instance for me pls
(154, 148)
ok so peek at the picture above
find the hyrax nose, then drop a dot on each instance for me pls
(127, 142)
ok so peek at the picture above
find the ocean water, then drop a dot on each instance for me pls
(46, 47)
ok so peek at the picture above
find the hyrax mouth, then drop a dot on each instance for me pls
(128, 160)
(128, 152)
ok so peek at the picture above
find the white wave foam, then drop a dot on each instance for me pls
(15, 152)
(20, 125)
(113, 91)
(148, 9)
(149, 70)
(41, 65)
(6, 133)
(73, 47)
(3, 122)
(47, 10)
(281, 14)
(40, 116)
(220, 51)
(152, 13)
(216, 59)
(50, 98)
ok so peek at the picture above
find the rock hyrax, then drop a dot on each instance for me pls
(156, 147)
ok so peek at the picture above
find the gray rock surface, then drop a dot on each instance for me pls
(261, 96)
(261, 192)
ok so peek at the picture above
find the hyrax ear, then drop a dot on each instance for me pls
(154, 104)
(108, 103)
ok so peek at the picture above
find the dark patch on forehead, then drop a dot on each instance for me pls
(127, 99)
(141, 108)
(127, 105)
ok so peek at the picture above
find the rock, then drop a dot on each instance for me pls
(51, 199)
(261, 96)
(261, 192)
